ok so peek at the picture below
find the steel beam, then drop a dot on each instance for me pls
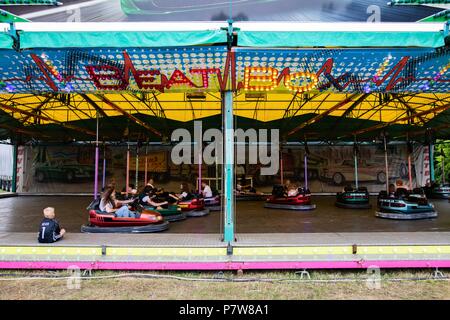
(323, 114)
(419, 114)
(41, 117)
(128, 115)
(94, 104)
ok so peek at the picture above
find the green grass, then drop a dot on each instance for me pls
(284, 285)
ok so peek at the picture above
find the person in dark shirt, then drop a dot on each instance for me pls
(49, 230)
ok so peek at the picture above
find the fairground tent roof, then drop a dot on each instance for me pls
(322, 81)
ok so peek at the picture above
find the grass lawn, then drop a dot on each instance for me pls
(270, 285)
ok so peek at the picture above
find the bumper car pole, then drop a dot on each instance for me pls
(386, 163)
(409, 148)
(104, 168)
(443, 165)
(127, 177)
(306, 170)
(136, 175)
(199, 182)
(96, 162)
(145, 167)
(281, 167)
(355, 156)
(409, 172)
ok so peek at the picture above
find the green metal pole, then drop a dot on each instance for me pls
(14, 173)
(355, 158)
(431, 154)
(228, 166)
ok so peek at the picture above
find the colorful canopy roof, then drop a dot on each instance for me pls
(343, 84)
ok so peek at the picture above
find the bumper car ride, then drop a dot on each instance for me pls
(145, 222)
(353, 199)
(300, 202)
(411, 206)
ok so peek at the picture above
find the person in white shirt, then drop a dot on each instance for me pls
(206, 190)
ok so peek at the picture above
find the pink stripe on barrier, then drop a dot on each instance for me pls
(225, 265)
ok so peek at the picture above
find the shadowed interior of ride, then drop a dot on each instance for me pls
(23, 214)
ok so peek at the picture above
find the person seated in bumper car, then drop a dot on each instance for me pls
(120, 208)
(243, 187)
(292, 190)
(148, 199)
(185, 193)
(129, 192)
(206, 190)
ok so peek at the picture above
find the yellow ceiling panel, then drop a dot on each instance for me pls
(31, 109)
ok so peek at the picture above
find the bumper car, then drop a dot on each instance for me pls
(213, 203)
(300, 202)
(146, 221)
(194, 207)
(439, 191)
(405, 205)
(171, 214)
(353, 199)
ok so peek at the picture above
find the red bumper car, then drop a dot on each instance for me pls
(300, 202)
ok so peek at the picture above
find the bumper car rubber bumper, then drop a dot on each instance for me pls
(296, 207)
(346, 205)
(157, 227)
(406, 216)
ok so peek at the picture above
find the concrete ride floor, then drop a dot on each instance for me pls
(23, 214)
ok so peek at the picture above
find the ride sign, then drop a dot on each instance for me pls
(214, 68)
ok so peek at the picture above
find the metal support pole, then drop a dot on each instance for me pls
(409, 172)
(127, 178)
(228, 166)
(409, 150)
(217, 173)
(137, 168)
(14, 173)
(281, 168)
(306, 170)
(387, 164)
(355, 157)
(431, 155)
(104, 169)
(199, 182)
(356, 171)
(443, 165)
(146, 167)
(96, 162)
